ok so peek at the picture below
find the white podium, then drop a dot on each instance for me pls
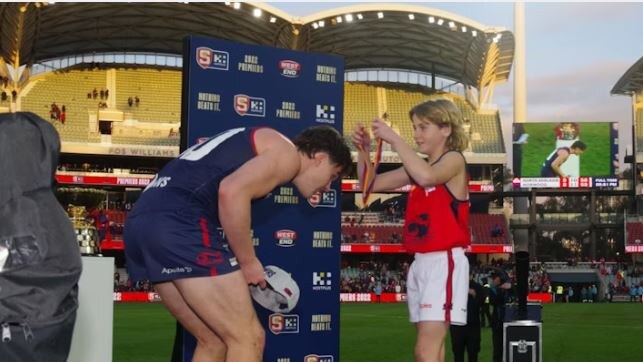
(93, 332)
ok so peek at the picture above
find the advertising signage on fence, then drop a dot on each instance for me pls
(398, 248)
(231, 85)
(354, 186)
(140, 181)
(566, 155)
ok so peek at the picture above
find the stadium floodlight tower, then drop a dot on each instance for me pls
(522, 328)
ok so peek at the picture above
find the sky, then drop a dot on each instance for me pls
(575, 53)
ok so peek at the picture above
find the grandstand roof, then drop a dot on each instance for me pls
(434, 41)
(631, 81)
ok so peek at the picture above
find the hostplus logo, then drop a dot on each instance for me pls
(208, 58)
(325, 113)
(322, 281)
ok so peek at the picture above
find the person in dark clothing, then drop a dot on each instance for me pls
(40, 262)
(468, 336)
(485, 312)
(500, 285)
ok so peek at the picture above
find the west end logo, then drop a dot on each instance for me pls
(286, 238)
(289, 68)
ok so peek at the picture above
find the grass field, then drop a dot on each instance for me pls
(594, 162)
(382, 333)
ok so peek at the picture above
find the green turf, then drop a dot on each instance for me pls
(594, 162)
(382, 333)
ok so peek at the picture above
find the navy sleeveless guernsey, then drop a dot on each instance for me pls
(174, 231)
(546, 170)
(192, 180)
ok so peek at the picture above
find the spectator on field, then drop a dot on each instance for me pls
(569, 295)
(594, 293)
(634, 292)
(584, 294)
(378, 291)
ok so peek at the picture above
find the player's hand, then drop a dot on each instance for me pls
(253, 272)
(383, 131)
(360, 138)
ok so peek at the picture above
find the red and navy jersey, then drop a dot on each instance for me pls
(435, 220)
(192, 180)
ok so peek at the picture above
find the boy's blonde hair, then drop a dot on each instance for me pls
(443, 112)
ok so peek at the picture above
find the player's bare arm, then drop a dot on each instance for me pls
(386, 181)
(424, 174)
(558, 163)
(277, 163)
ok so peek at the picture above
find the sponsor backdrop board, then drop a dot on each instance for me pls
(228, 85)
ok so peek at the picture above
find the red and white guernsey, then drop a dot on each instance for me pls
(435, 220)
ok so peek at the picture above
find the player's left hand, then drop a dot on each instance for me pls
(383, 131)
(253, 273)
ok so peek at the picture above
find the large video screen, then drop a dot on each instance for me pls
(566, 154)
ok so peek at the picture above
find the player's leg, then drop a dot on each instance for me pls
(224, 304)
(427, 293)
(429, 346)
(209, 346)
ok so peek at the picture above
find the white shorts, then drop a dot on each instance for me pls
(437, 287)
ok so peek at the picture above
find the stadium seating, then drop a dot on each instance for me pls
(159, 92)
(136, 135)
(364, 101)
(485, 130)
(372, 233)
(68, 88)
(483, 224)
(634, 232)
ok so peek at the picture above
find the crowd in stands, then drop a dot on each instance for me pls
(94, 94)
(5, 81)
(58, 113)
(129, 286)
(374, 275)
(132, 101)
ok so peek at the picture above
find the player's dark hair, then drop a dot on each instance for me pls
(325, 139)
(579, 144)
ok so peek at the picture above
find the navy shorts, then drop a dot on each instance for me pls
(169, 245)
